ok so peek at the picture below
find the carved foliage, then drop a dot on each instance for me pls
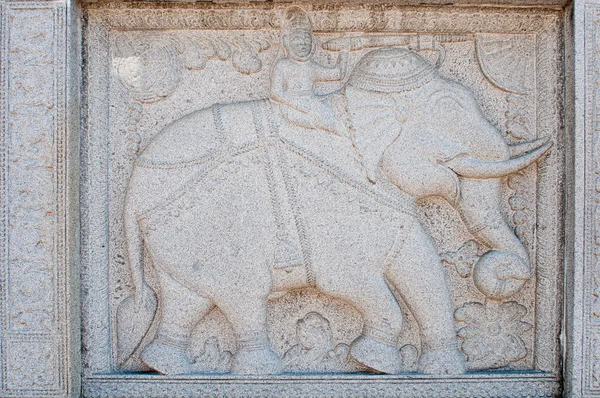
(331, 18)
(31, 189)
(518, 121)
(150, 66)
(520, 207)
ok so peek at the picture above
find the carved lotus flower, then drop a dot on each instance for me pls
(492, 334)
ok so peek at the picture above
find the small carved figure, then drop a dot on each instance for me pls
(293, 77)
(212, 359)
(315, 351)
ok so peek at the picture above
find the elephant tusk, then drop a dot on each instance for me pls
(523, 148)
(475, 168)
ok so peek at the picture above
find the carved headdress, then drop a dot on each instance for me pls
(296, 18)
(392, 69)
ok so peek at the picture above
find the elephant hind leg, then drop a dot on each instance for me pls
(181, 310)
(420, 279)
(248, 317)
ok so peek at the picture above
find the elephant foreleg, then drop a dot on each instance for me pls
(419, 277)
(504, 270)
(248, 316)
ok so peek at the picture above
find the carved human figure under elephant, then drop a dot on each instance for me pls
(251, 206)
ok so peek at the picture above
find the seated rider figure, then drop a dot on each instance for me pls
(293, 77)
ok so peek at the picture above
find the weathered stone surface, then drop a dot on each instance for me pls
(373, 199)
(37, 198)
(268, 161)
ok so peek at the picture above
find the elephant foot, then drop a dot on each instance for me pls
(264, 361)
(443, 360)
(376, 353)
(254, 355)
(166, 359)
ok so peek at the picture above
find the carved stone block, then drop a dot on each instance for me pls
(299, 199)
(331, 193)
(36, 218)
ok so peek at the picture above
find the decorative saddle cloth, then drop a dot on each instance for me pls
(254, 128)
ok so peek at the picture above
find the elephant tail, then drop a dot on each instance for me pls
(135, 247)
(136, 313)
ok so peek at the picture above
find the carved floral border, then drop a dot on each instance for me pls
(33, 237)
(102, 20)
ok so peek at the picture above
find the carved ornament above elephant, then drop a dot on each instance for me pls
(251, 206)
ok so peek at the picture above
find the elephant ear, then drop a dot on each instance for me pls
(133, 323)
(376, 125)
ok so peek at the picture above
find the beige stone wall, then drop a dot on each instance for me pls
(73, 111)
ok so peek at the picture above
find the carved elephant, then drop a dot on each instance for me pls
(440, 144)
(234, 205)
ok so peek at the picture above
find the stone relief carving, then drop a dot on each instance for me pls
(407, 133)
(32, 214)
(293, 77)
(212, 359)
(492, 333)
(32, 365)
(150, 66)
(507, 61)
(463, 259)
(315, 350)
(591, 309)
(371, 18)
(517, 118)
(32, 162)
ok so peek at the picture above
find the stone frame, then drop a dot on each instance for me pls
(98, 380)
(581, 327)
(39, 321)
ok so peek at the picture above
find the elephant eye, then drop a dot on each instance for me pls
(446, 102)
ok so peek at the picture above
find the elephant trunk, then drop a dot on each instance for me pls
(504, 269)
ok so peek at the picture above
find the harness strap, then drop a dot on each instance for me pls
(282, 191)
